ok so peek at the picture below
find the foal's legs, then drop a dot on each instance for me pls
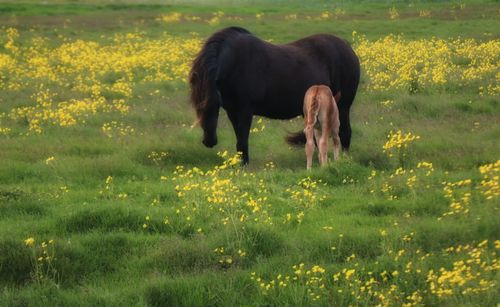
(317, 137)
(323, 145)
(309, 132)
(336, 145)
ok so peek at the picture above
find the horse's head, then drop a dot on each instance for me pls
(206, 103)
(203, 78)
(208, 118)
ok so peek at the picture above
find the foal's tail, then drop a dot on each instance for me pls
(296, 139)
(310, 106)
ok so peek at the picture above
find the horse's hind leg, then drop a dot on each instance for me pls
(345, 128)
(308, 131)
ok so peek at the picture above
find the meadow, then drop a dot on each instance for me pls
(108, 197)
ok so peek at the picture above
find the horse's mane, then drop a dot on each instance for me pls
(203, 71)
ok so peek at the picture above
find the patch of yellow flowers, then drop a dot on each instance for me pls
(473, 272)
(102, 76)
(313, 279)
(43, 257)
(116, 129)
(467, 274)
(398, 140)
(459, 194)
(490, 186)
(394, 62)
(97, 76)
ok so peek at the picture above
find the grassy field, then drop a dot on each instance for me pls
(108, 197)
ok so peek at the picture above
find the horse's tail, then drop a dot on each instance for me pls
(296, 139)
(203, 74)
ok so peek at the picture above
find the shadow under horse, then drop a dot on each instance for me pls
(247, 76)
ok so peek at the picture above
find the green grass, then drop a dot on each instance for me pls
(104, 255)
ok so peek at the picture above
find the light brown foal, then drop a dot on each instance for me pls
(321, 121)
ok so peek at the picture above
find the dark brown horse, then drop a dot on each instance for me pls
(247, 76)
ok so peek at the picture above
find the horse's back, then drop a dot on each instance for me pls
(274, 78)
(340, 57)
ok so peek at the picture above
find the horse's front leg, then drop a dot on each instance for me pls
(233, 117)
(241, 122)
(244, 122)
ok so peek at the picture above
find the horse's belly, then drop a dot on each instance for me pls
(278, 115)
(284, 97)
(278, 109)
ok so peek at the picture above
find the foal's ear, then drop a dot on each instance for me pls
(337, 97)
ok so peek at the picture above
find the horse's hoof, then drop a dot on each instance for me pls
(209, 144)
